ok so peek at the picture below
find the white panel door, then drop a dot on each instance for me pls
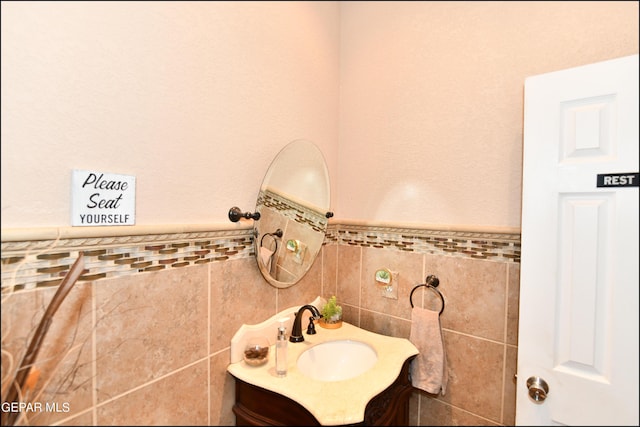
(579, 261)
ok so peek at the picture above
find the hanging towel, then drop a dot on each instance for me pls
(429, 368)
(266, 255)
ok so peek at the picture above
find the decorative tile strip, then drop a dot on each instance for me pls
(292, 210)
(43, 263)
(504, 247)
(31, 264)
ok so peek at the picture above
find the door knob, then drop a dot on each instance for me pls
(538, 389)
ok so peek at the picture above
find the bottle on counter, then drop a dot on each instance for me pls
(281, 350)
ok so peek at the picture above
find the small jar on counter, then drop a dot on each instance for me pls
(256, 352)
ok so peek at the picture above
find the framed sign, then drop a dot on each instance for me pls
(99, 199)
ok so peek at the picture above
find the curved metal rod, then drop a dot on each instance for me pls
(431, 283)
(277, 233)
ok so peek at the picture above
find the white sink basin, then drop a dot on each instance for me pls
(337, 360)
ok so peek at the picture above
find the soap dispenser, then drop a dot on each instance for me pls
(281, 349)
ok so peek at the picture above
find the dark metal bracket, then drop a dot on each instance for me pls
(235, 214)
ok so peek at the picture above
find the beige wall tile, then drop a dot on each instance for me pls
(475, 292)
(151, 324)
(64, 356)
(414, 409)
(222, 391)
(349, 267)
(513, 303)
(510, 370)
(351, 314)
(85, 419)
(475, 375)
(177, 399)
(385, 325)
(239, 294)
(329, 258)
(434, 412)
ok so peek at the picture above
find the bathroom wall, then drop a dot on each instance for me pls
(194, 99)
(479, 277)
(417, 107)
(143, 337)
(431, 101)
(423, 100)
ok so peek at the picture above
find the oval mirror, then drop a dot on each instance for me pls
(293, 203)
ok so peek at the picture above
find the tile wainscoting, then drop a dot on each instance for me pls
(143, 337)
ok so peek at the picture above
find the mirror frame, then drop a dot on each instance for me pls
(293, 202)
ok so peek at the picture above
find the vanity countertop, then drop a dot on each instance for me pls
(335, 402)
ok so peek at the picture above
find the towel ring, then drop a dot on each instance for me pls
(277, 233)
(432, 283)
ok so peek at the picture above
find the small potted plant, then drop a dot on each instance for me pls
(331, 314)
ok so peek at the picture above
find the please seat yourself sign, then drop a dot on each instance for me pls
(100, 199)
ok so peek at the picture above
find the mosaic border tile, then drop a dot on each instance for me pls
(292, 210)
(477, 245)
(43, 263)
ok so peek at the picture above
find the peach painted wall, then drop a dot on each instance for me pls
(193, 98)
(431, 100)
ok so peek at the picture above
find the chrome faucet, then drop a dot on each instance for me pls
(296, 332)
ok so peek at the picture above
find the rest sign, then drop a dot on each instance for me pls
(99, 199)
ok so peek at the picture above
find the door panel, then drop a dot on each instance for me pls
(579, 262)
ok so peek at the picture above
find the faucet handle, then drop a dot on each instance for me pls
(311, 329)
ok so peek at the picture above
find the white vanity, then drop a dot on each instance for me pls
(377, 395)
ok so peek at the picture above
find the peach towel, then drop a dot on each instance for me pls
(429, 368)
(267, 257)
